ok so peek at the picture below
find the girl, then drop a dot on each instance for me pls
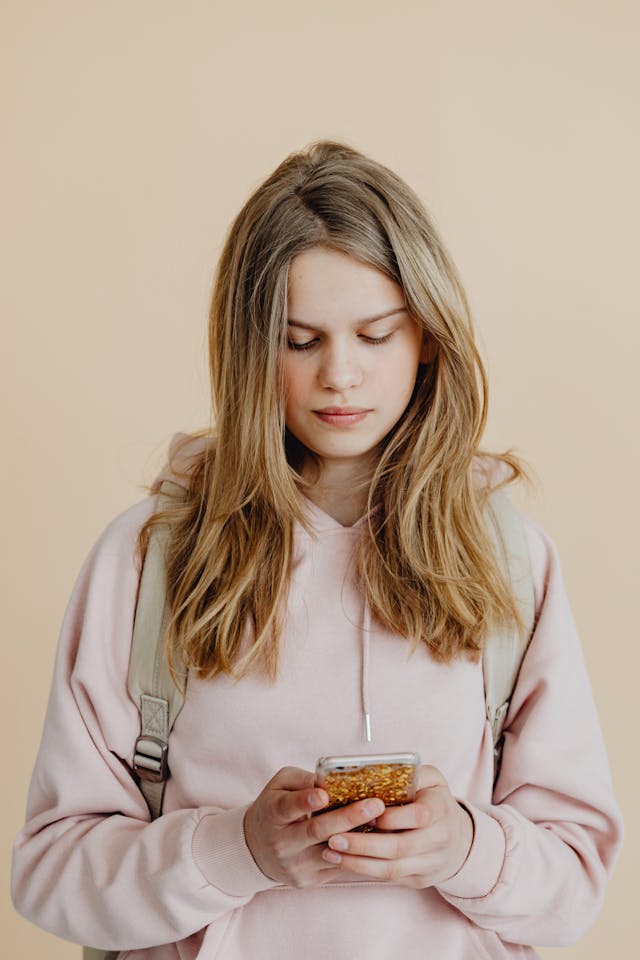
(331, 585)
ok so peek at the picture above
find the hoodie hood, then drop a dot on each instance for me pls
(184, 451)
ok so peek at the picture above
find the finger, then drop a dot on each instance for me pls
(429, 806)
(311, 869)
(323, 873)
(383, 846)
(291, 806)
(290, 795)
(372, 867)
(318, 829)
(332, 873)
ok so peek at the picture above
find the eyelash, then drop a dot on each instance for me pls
(373, 341)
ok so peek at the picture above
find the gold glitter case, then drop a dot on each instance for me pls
(389, 776)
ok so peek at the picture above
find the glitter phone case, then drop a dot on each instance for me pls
(389, 776)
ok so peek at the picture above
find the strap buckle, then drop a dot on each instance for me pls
(150, 759)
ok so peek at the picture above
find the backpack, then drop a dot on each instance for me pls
(160, 699)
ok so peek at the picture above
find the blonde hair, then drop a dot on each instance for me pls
(425, 560)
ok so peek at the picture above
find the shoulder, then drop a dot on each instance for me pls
(102, 602)
(556, 628)
(115, 548)
(489, 473)
(544, 560)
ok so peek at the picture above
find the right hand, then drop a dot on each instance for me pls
(285, 842)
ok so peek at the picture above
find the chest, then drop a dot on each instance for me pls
(232, 736)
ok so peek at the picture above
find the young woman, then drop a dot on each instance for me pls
(331, 584)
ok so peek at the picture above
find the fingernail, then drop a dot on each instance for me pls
(318, 798)
(373, 808)
(331, 856)
(338, 843)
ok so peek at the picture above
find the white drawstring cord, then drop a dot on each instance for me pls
(366, 630)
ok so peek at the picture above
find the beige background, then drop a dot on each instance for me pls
(135, 130)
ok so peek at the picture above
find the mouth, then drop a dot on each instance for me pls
(341, 416)
(342, 411)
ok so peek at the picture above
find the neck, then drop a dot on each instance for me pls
(341, 490)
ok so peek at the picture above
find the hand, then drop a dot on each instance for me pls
(285, 842)
(417, 844)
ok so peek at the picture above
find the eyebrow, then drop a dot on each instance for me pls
(358, 323)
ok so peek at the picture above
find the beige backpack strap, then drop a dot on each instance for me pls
(505, 648)
(149, 681)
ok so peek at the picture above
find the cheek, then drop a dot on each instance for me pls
(400, 377)
(295, 385)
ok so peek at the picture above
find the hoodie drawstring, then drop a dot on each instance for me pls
(364, 671)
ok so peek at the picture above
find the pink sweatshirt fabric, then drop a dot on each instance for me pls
(90, 867)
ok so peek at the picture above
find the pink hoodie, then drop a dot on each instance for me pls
(90, 867)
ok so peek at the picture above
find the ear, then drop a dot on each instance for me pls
(429, 349)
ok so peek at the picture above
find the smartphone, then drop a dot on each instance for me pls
(389, 776)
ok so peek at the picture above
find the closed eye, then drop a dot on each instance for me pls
(373, 341)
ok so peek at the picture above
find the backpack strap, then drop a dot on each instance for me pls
(149, 681)
(505, 647)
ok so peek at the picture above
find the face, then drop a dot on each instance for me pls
(352, 357)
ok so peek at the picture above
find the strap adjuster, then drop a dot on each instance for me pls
(150, 759)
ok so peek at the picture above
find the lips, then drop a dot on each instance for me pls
(342, 416)
(341, 411)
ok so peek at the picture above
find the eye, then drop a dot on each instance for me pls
(373, 341)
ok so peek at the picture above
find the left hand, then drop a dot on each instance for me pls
(417, 844)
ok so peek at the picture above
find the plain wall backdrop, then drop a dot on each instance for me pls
(133, 133)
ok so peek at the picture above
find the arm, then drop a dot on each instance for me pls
(88, 865)
(536, 868)
(545, 847)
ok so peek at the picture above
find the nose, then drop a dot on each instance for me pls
(339, 368)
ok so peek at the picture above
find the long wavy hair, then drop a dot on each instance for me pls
(425, 559)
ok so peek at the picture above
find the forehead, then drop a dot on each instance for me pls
(325, 284)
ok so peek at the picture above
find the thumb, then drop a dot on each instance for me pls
(428, 776)
(292, 778)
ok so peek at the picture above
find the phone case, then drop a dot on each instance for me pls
(389, 776)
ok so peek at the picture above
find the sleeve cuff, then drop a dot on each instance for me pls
(479, 874)
(221, 854)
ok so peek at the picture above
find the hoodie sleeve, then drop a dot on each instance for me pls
(544, 848)
(88, 865)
